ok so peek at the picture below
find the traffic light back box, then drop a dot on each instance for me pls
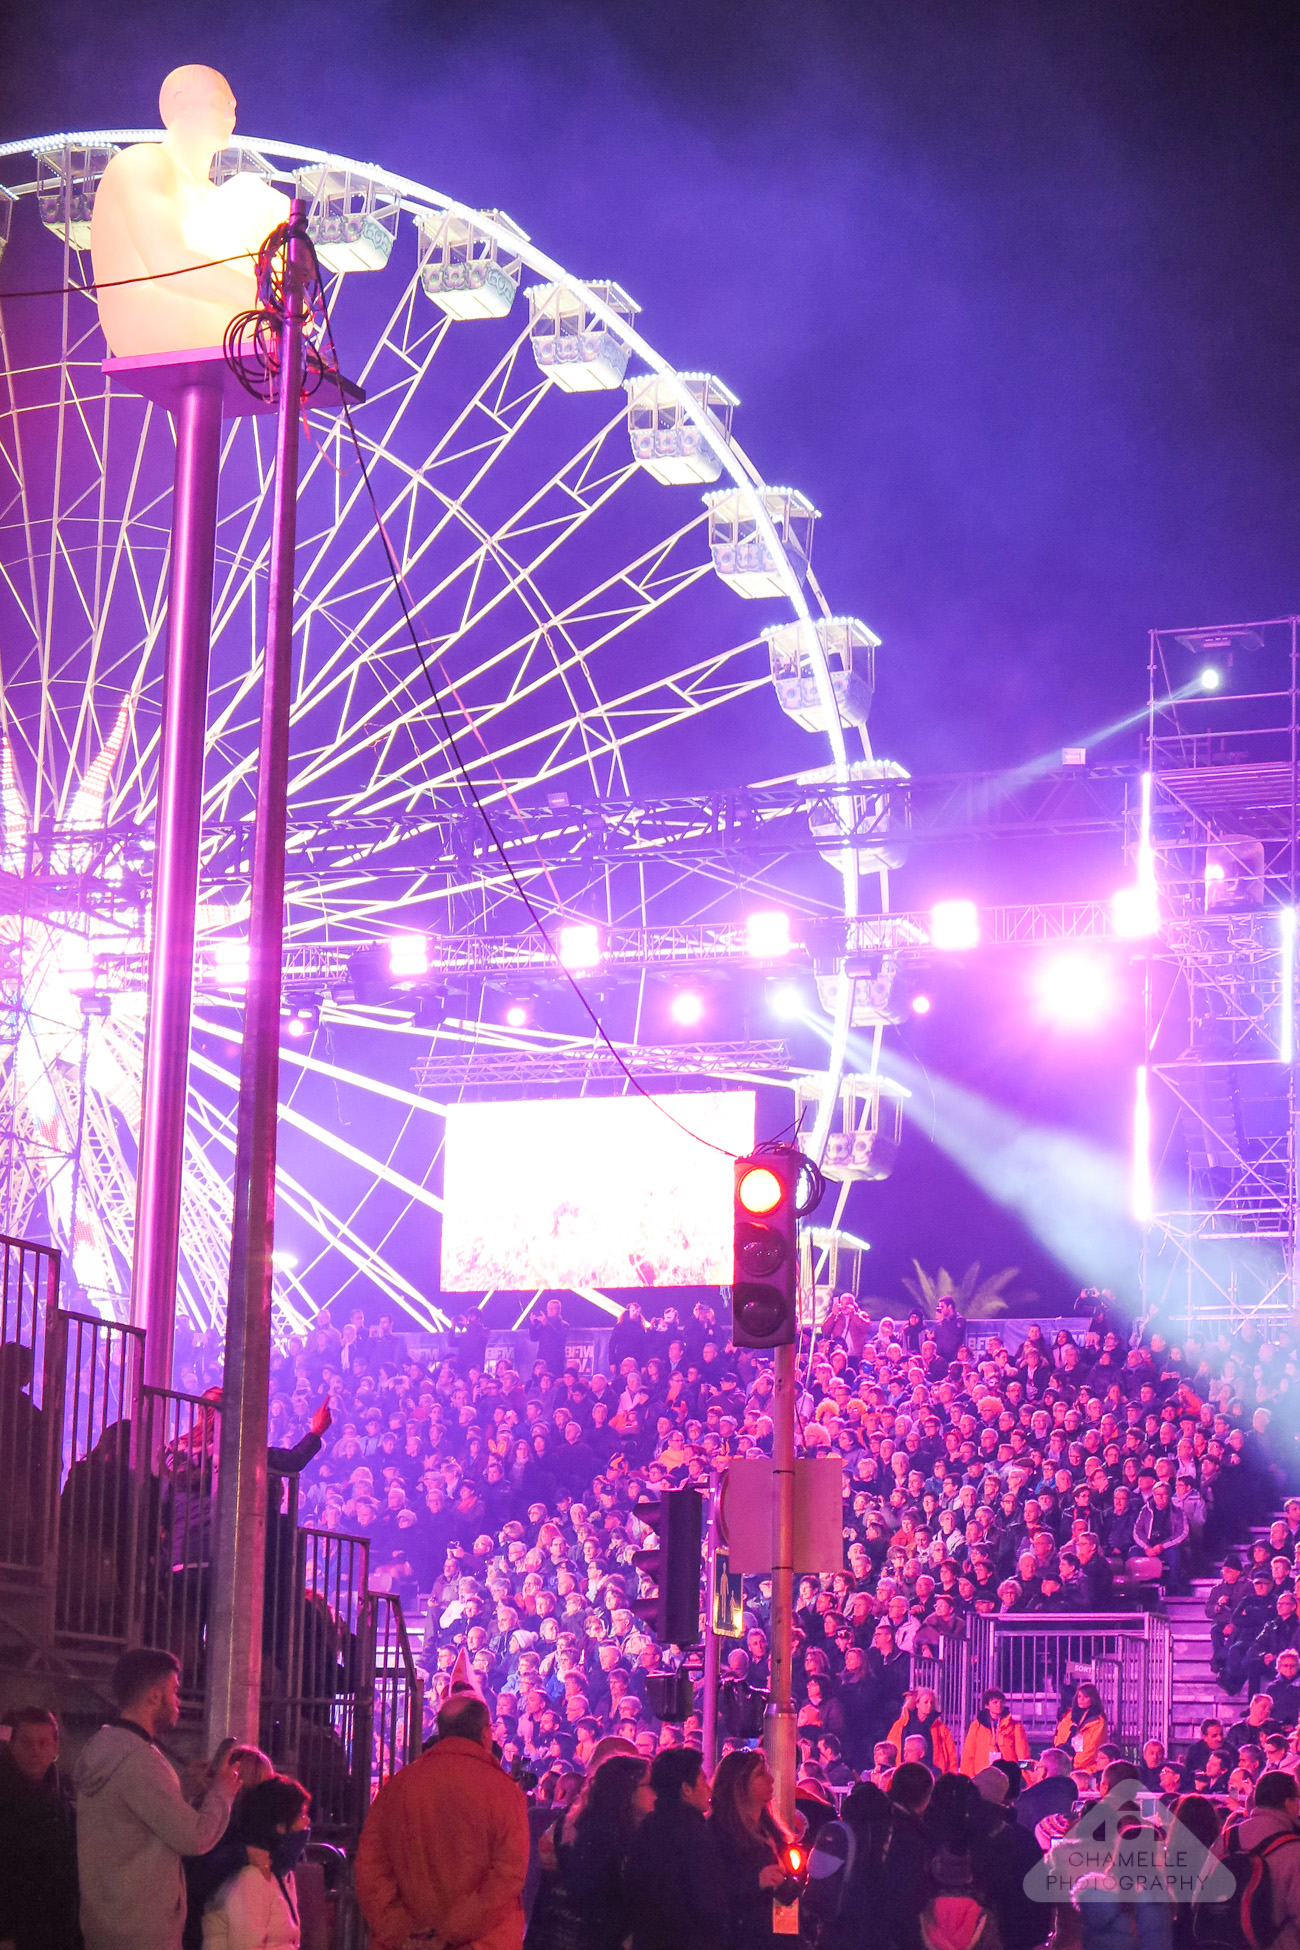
(748, 1514)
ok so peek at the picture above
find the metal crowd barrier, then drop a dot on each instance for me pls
(107, 1515)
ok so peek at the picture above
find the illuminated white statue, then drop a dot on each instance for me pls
(157, 211)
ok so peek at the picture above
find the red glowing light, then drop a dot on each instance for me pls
(760, 1190)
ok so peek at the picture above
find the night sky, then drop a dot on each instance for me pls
(1010, 291)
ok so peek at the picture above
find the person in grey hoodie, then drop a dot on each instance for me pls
(133, 1823)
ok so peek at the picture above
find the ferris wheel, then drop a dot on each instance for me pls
(577, 530)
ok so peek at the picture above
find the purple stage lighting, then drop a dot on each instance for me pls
(767, 935)
(1074, 991)
(954, 925)
(687, 1008)
(517, 1015)
(578, 945)
(408, 957)
(921, 1005)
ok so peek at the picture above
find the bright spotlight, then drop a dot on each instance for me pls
(1074, 991)
(767, 935)
(230, 964)
(517, 1016)
(408, 957)
(578, 945)
(954, 925)
(1211, 678)
(1134, 912)
(921, 1005)
(787, 1002)
(284, 1260)
(296, 1026)
(687, 1008)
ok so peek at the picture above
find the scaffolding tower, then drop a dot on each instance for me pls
(1219, 1081)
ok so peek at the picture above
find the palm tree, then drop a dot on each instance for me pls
(974, 1298)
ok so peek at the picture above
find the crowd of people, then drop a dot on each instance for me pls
(1086, 1471)
(1081, 1474)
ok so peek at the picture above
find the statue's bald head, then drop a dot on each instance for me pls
(195, 93)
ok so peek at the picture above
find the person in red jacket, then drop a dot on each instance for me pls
(444, 1851)
(993, 1735)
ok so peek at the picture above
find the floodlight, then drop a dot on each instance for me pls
(954, 925)
(1211, 678)
(230, 963)
(517, 1015)
(408, 957)
(921, 1005)
(787, 1002)
(1074, 991)
(687, 1008)
(1134, 912)
(297, 1027)
(578, 945)
(767, 935)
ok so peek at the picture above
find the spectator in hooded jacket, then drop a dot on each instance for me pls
(993, 1735)
(921, 1719)
(133, 1822)
(1082, 1731)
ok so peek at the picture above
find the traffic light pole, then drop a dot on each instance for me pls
(779, 1724)
(235, 1634)
(711, 1637)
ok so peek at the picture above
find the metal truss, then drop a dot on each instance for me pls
(1220, 998)
(746, 1062)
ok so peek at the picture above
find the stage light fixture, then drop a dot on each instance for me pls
(759, 1189)
(1134, 912)
(954, 925)
(230, 964)
(517, 1015)
(408, 959)
(578, 945)
(1074, 991)
(921, 1005)
(767, 935)
(687, 1008)
(1211, 679)
(787, 1002)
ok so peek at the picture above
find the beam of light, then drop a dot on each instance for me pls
(1144, 1203)
(382, 1174)
(321, 1068)
(1070, 1193)
(601, 1300)
(1286, 1027)
(1037, 768)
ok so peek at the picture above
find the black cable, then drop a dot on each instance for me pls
(113, 284)
(395, 577)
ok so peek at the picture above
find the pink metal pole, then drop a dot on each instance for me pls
(235, 1617)
(176, 872)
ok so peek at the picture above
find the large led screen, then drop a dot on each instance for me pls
(591, 1192)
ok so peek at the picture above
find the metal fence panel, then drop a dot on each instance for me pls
(1036, 1660)
(175, 1482)
(99, 1368)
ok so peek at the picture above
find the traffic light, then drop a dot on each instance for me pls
(673, 1614)
(765, 1289)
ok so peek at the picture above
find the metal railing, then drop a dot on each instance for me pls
(397, 1734)
(29, 1300)
(946, 1671)
(1036, 1661)
(107, 1510)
